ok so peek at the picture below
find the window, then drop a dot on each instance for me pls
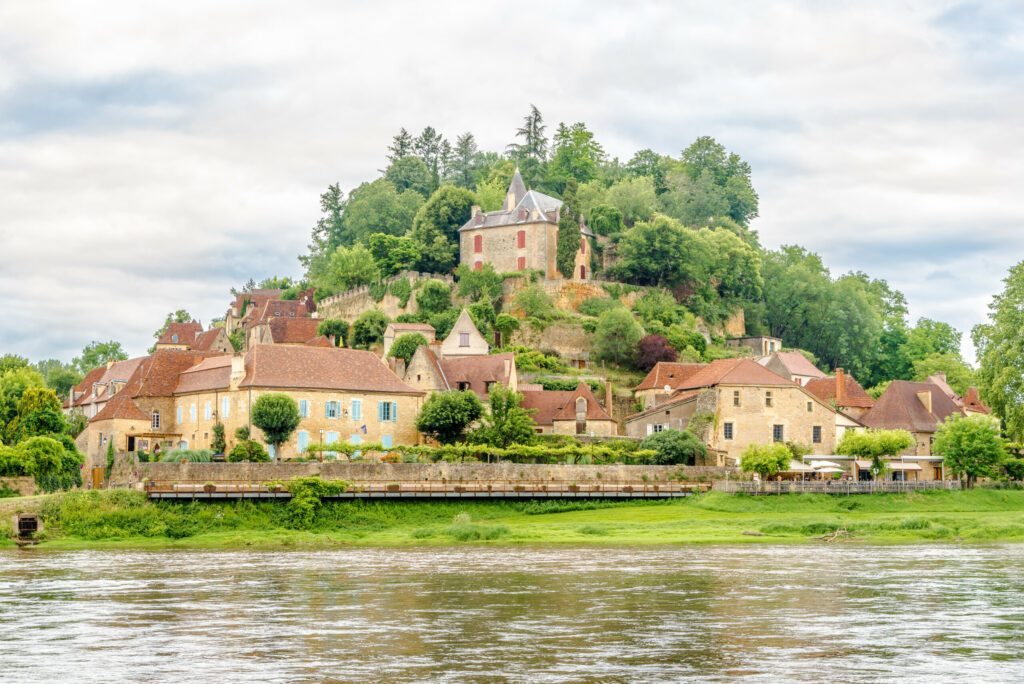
(331, 437)
(357, 409)
(387, 411)
(583, 272)
(656, 427)
(174, 338)
(386, 441)
(303, 440)
(478, 266)
(478, 244)
(462, 386)
(155, 422)
(521, 239)
(735, 397)
(768, 399)
(207, 411)
(777, 433)
(192, 413)
(816, 434)
(225, 407)
(463, 339)
(331, 409)
(521, 264)
(728, 430)
(304, 408)
(178, 416)
(581, 406)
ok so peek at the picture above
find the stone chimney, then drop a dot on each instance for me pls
(608, 397)
(508, 367)
(475, 210)
(400, 367)
(925, 397)
(237, 370)
(840, 387)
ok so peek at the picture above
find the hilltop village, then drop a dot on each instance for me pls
(362, 364)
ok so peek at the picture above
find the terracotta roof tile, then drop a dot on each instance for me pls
(477, 371)
(320, 341)
(207, 375)
(284, 366)
(795, 363)
(900, 408)
(853, 396)
(206, 339)
(293, 330)
(181, 333)
(972, 401)
(741, 371)
(669, 373)
(552, 405)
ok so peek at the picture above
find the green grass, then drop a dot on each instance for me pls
(127, 519)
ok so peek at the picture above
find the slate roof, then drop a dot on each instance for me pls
(552, 405)
(477, 370)
(853, 394)
(669, 373)
(299, 367)
(900, 408)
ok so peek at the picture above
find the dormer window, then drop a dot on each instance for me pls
(174, 338)
(581, 406)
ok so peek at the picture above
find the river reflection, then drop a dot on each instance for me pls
(759, 613)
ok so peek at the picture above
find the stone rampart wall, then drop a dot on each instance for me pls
(25, 486)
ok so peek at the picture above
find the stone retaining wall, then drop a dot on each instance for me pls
(367, 472)
(25, 486)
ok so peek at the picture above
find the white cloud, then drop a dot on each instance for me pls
(152, 156)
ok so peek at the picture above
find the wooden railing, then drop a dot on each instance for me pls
(831, 486)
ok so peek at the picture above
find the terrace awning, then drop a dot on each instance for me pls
(798, 467)
(891, 465)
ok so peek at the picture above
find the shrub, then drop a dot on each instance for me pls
(332, 327)
(402, 290)
(652, 350)
(218, 443)
(506, 325)
(675, 447)
(595, 306)
(765, 459)
(535, 302)
(444, 322)
(187, 456)
(369, 329)
(616, 337)
(248, 450)
(434, 297)
(482, 284)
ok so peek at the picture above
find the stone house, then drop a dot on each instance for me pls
(760, 345)
(575, 412)
(175, 399)
(251, 308)
(186, 336)
(286, 330)
(522, 235)
(664, 379)
(744, 403)
(792, 365)
(842, 391)
(464, 339)
(396, 330)
(99, 386)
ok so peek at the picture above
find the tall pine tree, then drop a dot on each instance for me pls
(568, 230)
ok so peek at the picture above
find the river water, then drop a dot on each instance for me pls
(547, 614)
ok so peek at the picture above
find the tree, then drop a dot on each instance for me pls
(333, 327)
(433, 297)
(348, 268)
(435, 151)
(577, 155)
(464, 162)
(410, 173)
(406, 345)
(9, 362)
(534, 302)
(706, 158)
(401, 146)
(876, 445)
(218, 443)
(675, 447)
(59, 376)
(277, 415)
(506, 325)
(179, 316)
(479, 284)
(653, 349)
(435, 228)
(604, 219)
(970, 446)
(958, 374)
(1000, 353)
(616, 337)
(98, 354)
(694, 200)
(661, 252)
(535, 144)
(507, 422)
(39, 414)
(369, 329)
(653, 165)
(329, 230)
(13, 385)
(568, 231)
(392, 254)
(378, 207)
(248, 450)
(635, 199)
(766, 460)
(930, 337)
(446, 415)
(490, 194)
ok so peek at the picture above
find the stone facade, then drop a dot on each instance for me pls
(499, 247)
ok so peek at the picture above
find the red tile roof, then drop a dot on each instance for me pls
(972, 401)
(293, 330)
(208, 375)
(669, 373)
(552, 405)
(285, 366)
(205, 340)
(796, 364)
(740, 371)
(181, 333)
(256, 299)
(320, 341)
(853, 395)
(900, 408)
(477, 371)
(414, 327)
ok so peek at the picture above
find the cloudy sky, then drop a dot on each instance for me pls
(152, 155)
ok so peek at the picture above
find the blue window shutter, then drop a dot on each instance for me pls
(385, 441)
(394, 412)
(380, 410)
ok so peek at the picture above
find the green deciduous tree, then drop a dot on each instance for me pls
(97, 354)
(392, 254)
(436, 225)
(406, 345)
(604, 219)
(505, 422)
(333, 327)
(347, 268)
(634, 197)
(767, 460)
(577, 155)
(676, 447)
(13, 385)
(479, 284)
(277, 415)
(616, 337)
(534, 302)
(958, 374)
(446, 415)
(369, 328)
(876, 445)
(39, 413)
(971, 447)
(59, 376)
(378, 207)
(410, 173)
(1000, 353)
(661, 252)
(433, 297)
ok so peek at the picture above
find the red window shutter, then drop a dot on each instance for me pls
(583, 272)
(521, 264)
(583, 246)
(478, 266)
(521, 237)
(478, 243)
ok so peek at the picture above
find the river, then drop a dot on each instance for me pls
(551, 614)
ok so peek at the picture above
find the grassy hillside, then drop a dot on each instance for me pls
(121, 518)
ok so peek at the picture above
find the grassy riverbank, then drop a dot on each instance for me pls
(124, 519)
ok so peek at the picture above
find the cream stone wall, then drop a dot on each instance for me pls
(198, 433)
(501, 250)
(597, 428)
